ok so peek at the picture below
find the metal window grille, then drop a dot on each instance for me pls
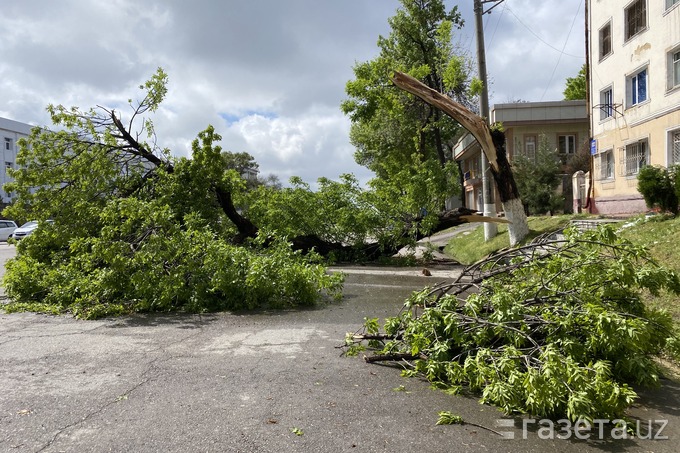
(675, 147)
(634, 157)
(604, 165)
(530, 147)
(605, 40)
(606, 104)
(636, 18)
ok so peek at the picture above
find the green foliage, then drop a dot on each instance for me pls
(659, 187)
(448, 418)
(537, 179)
(381, 213)
(389, 126)
(298, 210)
(136, 230)
(142, 260)
(557, 329)
(575, 88)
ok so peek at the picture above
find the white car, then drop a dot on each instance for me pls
(7, 227)
(25, 229)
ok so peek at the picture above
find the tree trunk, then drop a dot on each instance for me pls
(493, 146)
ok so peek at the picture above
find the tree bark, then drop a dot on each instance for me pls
(492, 144)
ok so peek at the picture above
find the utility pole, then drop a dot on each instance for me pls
(488, 188)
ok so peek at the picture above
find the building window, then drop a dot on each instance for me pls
(566, 144)
(8, 144)
(670, 3)
(606, 103)
(605, 40)
(530, 146)
(9, 165)
(635, 156)
(636, 18)
(636, 86)
(606, 165)
(674, 146)
(674, 68)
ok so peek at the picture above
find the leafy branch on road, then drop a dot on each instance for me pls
(557, 328)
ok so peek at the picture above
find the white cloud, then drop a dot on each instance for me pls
(277, 70)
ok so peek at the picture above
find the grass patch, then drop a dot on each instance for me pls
(661, 236)
(470, 247)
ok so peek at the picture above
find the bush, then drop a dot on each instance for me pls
(659, 187)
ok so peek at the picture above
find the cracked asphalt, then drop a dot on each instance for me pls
(256, 382)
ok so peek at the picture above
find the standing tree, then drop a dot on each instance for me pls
(390, 130)
(538, 178)
(575, 89)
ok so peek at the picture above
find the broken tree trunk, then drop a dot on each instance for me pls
(492, 144)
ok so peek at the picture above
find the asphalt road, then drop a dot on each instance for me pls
(257, 382)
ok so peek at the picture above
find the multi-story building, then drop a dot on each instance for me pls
(10, 132)
(634, 49)
(561, 125)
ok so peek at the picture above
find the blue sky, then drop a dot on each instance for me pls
(269, 75)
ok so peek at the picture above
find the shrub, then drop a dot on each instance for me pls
(659, 187)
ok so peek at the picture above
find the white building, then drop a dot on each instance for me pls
(10, 132)
(634, 48)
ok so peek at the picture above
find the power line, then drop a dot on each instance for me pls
(541, 39)
(500, 16)
(566, 40)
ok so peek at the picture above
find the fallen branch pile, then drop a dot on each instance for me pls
(557, 328)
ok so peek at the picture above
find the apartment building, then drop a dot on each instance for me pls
(634, 53)
(10, 133)
(563, 125)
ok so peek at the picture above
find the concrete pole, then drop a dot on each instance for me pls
(488, 189)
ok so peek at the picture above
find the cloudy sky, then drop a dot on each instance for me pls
(268, 74)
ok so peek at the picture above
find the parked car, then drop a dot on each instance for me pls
(7, 227)
(26, 229)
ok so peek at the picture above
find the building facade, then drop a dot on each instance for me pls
(634, 50)
(561, 125)
(10, 133)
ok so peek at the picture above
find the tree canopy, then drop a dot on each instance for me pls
(575, 88)
(390, 129)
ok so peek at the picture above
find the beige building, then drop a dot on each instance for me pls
(562, 124)
(634, 49)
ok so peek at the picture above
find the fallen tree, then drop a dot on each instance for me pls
(557, 328)
(133, 228)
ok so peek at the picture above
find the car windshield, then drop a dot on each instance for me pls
(29, 224)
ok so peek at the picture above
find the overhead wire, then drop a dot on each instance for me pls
(541, 39)
(566, 40)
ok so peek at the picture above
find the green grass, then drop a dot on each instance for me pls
(661, 236)
(468, 248)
